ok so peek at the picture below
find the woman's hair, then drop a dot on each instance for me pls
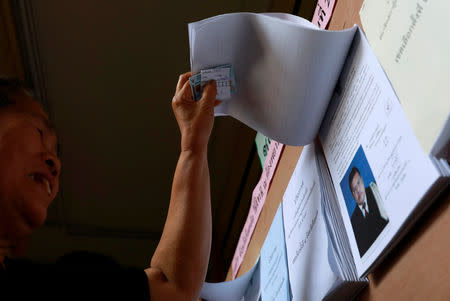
(8, 87)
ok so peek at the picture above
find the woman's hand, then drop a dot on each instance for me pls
(195, 118)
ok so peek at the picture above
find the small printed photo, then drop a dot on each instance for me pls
(363, 200)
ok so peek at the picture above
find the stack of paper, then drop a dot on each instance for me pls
(285, 69)
(339, 247)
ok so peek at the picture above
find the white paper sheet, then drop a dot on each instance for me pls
(411, 40)
(310, 274)
(285, 70)
(273, 262)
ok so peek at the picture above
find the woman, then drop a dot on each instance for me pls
(29, 181)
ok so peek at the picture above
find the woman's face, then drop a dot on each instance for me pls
(29, 167)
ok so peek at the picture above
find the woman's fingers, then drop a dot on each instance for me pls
(182, 80)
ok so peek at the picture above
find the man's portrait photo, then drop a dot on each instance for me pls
(364, 204)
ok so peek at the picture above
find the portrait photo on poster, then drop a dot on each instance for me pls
(363, 201)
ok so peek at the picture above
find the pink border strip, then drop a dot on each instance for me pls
(258, 198)
(323, 13)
